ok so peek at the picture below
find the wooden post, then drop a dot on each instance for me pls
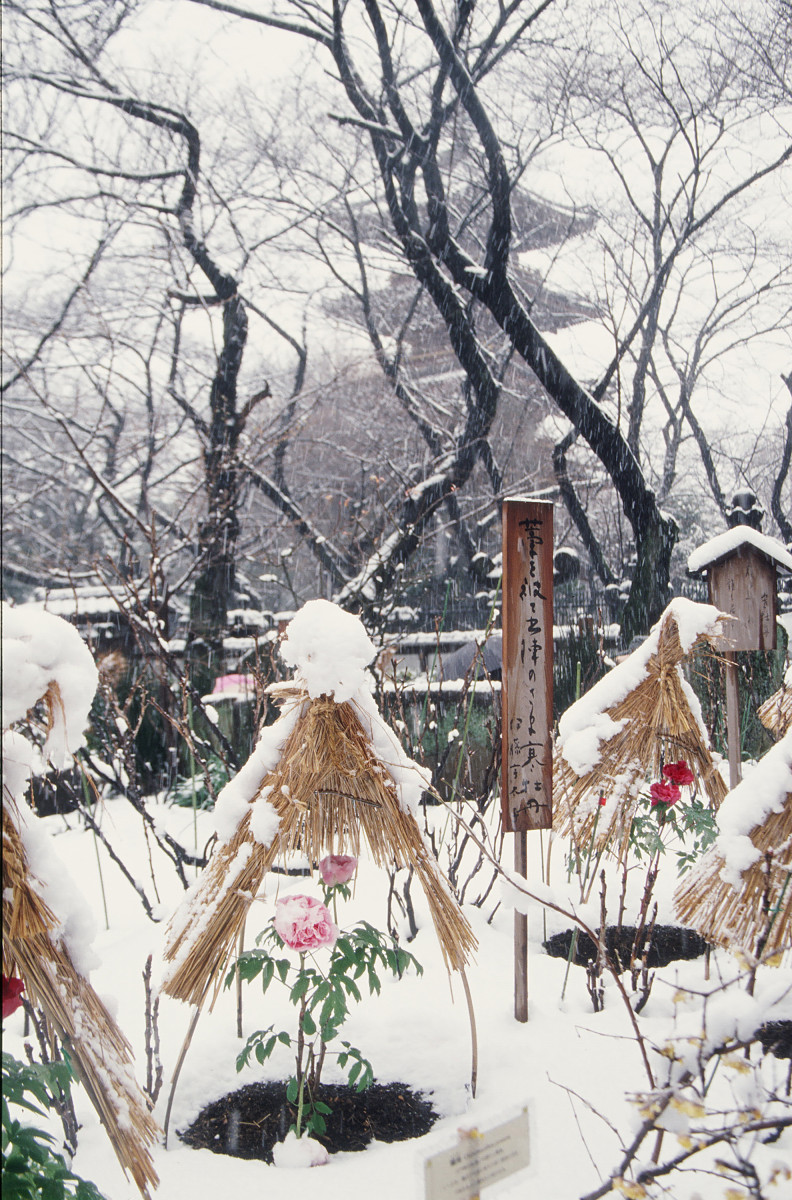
(527, 683)
(521, 933)
(733, 718)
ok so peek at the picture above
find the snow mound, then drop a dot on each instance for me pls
(329, 649)
(299, 1152)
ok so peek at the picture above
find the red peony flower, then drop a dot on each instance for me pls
(12, 994)
(678, 773)
(664, 793)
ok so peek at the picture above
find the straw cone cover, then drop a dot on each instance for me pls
(328, 777)
(46, 936)
(620, 732)
(740, 894)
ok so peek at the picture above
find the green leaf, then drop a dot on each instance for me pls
(373, 980)
(316, 1123)
(292, 1090)
(366, 1079)
(267, 974)
(300, 988)
(308, 1024)
(351, 987)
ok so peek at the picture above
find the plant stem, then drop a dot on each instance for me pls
(84, 782)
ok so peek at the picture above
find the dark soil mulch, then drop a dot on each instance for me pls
(249, 1122)
(776, 1038)
(668, 943)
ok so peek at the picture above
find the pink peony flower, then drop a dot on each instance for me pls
(12, 994)
(664, 793)
(304, 923)
(678, 772)
(337, 868)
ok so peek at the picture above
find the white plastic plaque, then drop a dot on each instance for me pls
(480, 1159)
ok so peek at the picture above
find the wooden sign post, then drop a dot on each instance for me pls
(527, 694)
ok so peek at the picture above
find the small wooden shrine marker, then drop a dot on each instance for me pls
(527, 695)
(741, 567)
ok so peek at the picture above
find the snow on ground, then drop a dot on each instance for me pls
(574, 1069)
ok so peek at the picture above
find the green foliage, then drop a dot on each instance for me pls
(692, 822)
(578, 651)
(32, 1170)
(761, 673)
(192, 791)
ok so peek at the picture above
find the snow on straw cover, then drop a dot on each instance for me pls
(763, 791)
(586, 724)
(44, 658)
(330, 651)
(40, 650)
(43, 654)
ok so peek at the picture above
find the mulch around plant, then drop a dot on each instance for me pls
(247, 1123)
(669, 943)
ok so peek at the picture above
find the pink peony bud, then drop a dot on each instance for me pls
(304, 923)
(337, 868)
(12, 994)
(664, 793)
(678, 772)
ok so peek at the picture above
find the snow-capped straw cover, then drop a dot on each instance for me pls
(46, 929)
(642, 713)
(327, 776)
(740, 894)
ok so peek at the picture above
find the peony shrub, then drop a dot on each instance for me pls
(321, 984)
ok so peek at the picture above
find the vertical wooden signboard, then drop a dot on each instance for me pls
(527, 683)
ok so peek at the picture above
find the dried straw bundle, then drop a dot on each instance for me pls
(776, 712)
(656, 724)
(749, 909)
(330, 792)
(97, 1047)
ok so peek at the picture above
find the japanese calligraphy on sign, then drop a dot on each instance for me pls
(527, 665)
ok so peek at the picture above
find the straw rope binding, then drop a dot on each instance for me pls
(776, 712)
